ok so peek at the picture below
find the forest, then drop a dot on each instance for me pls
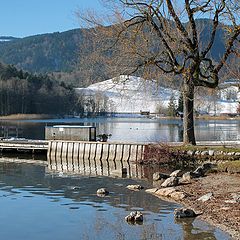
(26, 93)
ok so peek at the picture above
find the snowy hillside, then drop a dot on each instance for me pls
(129, 94)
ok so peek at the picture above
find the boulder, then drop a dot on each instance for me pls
(151, 190)
(177, 195)
(206, 197)
(170, 192)
(202, 170)
(204, 153)
(102, 191)
(199, 172)
(184, 213)
(170, 182)
(176, 173)
(186, 177)
(211, 152)
(190, 152)
(159, 176)
(134, 217)
(135, 187)
(165, 192)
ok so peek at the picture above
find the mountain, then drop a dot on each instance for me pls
(7, 38)
(61, 53)
(43, 53)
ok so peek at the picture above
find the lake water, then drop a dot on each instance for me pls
(37, 203)
(51, 202)
(137, 129)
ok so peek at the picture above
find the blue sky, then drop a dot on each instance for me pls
(21, 18)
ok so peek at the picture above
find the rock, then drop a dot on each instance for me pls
(151, 190)
(170, 182)
(170, 192)
(135, 187)
(178, 195)
(202, 170)
(184, 213)
(177, 173)
(207, 166)
(102, 191)
(204, 153)
(190, 152)
(159, 176)
(186, 177)
(236, 197)
(199, 172)
(206, 197)
(139, 217)
(134, 217)
(165, 192)
(211, 152)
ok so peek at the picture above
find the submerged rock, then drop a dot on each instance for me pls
(102, 191)
(135, 187)
(184, 213)
(134, 217)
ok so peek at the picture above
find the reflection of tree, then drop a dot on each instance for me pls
(190, 232)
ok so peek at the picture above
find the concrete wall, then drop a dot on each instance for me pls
(95, 158)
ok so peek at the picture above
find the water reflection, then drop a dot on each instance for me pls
(137, 129)
(36, 204)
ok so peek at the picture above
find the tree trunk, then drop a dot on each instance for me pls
(188, 118)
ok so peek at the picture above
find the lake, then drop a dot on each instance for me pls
(136, 129)
(41, 204)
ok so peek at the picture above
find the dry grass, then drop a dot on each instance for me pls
(26, 116)
(230, 167)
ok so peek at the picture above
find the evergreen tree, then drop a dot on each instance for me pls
(172, 108)
(180, 103)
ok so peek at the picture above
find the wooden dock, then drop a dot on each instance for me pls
(24, 146)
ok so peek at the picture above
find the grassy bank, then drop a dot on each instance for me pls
(26, 116)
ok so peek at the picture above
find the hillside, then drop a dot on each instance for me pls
(25, 93)
(61, 53)
(130, 94)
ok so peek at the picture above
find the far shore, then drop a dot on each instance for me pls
(26, 116)
(151, 116)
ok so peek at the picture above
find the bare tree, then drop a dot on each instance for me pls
(164, 36)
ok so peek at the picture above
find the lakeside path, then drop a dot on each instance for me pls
(220, 210)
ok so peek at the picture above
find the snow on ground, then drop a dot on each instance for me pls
(130, 94)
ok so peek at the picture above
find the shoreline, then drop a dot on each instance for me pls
(219, 211)
(27, 116)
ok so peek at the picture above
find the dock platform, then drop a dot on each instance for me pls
(24, 145)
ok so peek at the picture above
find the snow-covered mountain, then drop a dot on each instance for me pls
(130, 94)
(6, 38)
